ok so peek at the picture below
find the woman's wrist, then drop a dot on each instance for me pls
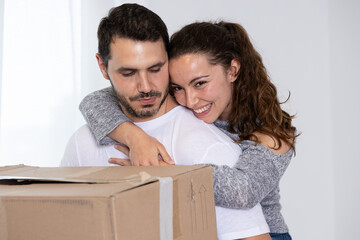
(126, 133)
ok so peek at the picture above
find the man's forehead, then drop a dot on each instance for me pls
(137, 53)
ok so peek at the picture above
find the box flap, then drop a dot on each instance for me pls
(85, 181)
(91, 174)
(70, 174)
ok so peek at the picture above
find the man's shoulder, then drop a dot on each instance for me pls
(83, 150)
(195, 141)
(76, 147)
(83, 138)
(187, 117)
(190, 124)
(84, 130)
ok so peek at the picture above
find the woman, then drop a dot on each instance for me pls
(216, 72)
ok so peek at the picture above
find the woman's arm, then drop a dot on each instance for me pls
(254, 176)
(107, 122)
(102, 113)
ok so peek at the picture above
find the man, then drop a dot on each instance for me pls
(133, 57)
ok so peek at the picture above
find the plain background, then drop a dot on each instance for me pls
(310, 48)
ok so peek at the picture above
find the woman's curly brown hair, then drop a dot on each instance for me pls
(255, 106)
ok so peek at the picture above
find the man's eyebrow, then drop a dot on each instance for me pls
(159, 64)
(123, 69)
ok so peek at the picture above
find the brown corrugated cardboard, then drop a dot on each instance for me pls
(104, 203)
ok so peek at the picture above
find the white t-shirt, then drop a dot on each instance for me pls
(188, 141)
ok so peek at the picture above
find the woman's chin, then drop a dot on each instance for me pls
(207, 119)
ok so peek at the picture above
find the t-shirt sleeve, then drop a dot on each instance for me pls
(201, 143)
(103, 114)
(219, 153)
(71, 157)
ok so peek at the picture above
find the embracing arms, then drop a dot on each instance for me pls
(103, 114)
(254, 176)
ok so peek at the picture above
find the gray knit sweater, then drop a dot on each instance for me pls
(254, 178)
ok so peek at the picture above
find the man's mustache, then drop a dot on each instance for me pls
(145, 95)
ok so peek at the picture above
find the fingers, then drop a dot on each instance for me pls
(120, 161)
(151, 162)
(144, 156)
(165, 156)
(156, 163)
(122, 149)
(162, 163)
(126, 162)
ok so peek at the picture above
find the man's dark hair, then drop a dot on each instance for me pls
(130, 21)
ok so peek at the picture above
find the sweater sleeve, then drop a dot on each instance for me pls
(256, 173)
(102, 113)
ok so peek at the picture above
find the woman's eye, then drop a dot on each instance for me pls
(155, 70)
(176, 89)
(198, 84)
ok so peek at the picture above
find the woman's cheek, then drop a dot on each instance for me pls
(210, 91)
(180, 98)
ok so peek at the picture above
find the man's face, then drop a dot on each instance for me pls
(138, 72)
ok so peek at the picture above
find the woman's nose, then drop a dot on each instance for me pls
(191, 99)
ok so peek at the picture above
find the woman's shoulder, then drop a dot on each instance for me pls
(256, 153)
(274, 145)
(255, 148)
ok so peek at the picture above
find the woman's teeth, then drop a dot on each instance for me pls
(201, 110)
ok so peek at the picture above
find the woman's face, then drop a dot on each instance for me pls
(202, 87)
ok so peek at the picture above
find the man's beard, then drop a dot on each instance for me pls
(140, 113)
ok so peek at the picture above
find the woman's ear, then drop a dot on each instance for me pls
(234, 69)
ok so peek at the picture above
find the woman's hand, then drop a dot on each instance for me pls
(127, 162)
(142, 150)
(146, 151)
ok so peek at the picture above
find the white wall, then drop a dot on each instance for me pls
(345, 101)
(1, 46)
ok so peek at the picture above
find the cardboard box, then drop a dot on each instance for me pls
(106, 203)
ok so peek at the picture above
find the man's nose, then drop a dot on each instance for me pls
(144, 83)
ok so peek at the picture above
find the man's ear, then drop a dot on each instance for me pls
(234, 69)
(102, 66)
